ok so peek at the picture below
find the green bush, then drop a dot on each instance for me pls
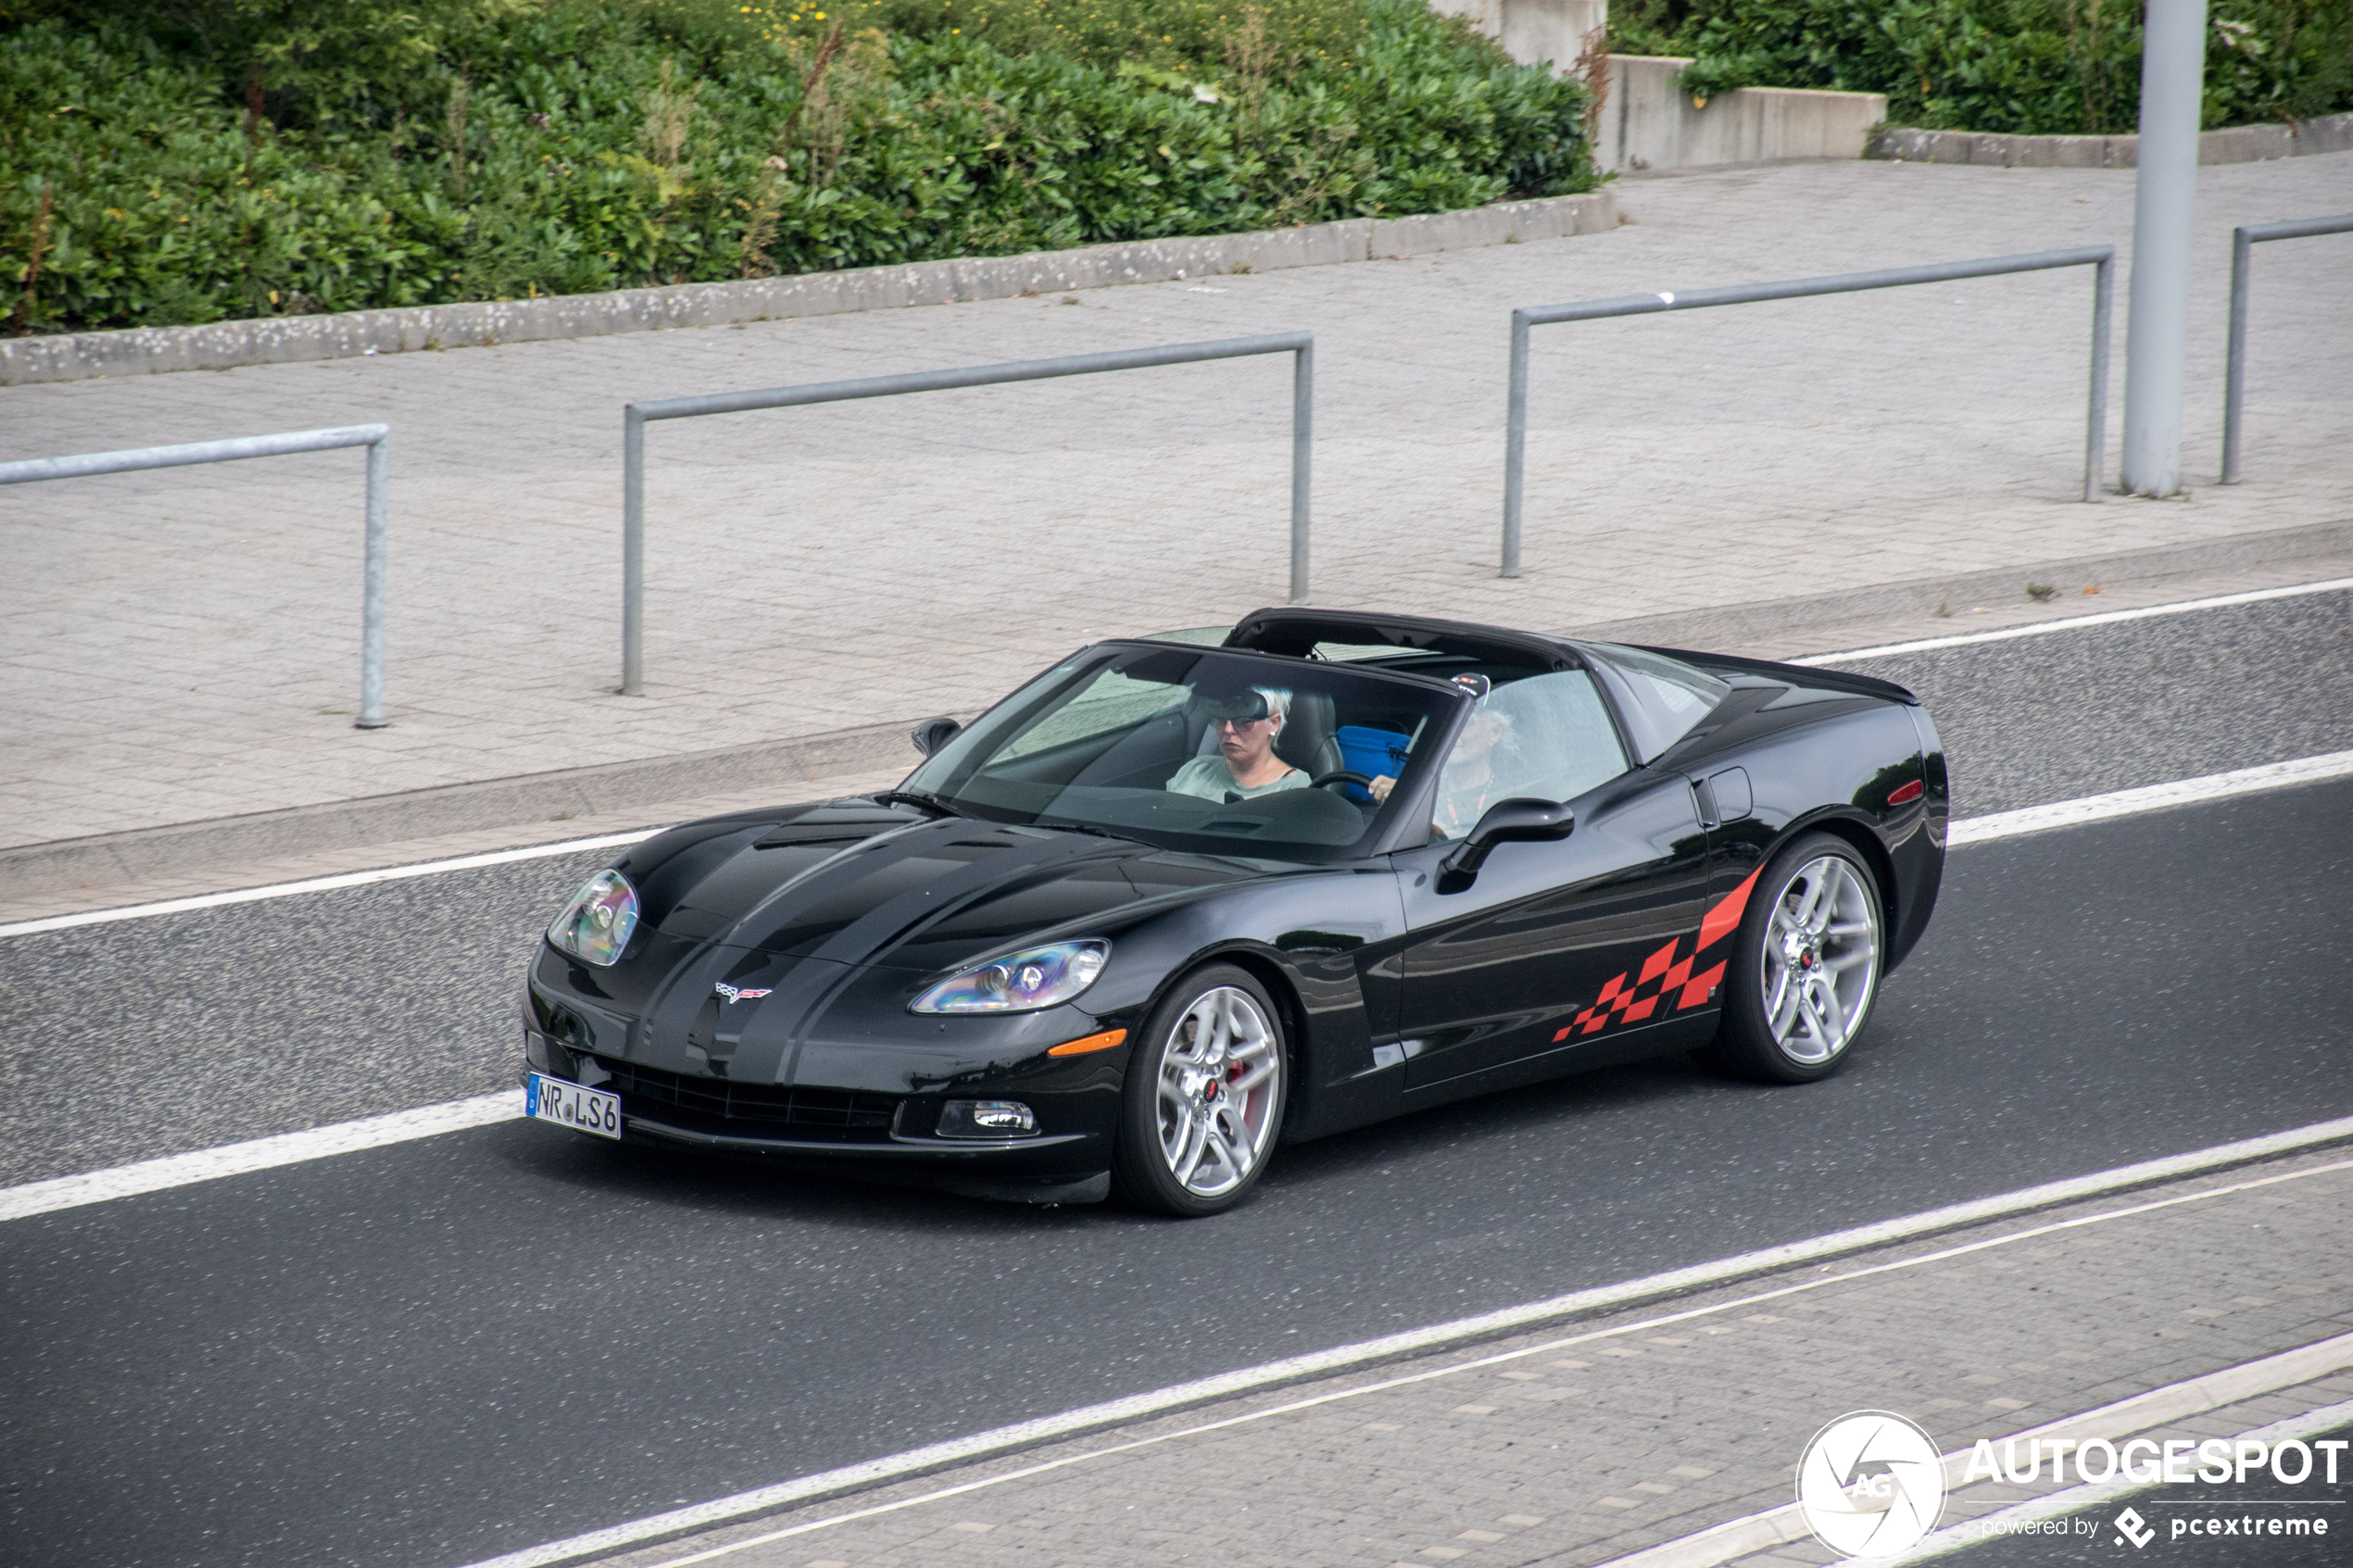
(2037, 67)
(240, 157)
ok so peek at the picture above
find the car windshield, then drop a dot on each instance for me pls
(1197, 749)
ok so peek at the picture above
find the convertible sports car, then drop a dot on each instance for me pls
(1172, 904)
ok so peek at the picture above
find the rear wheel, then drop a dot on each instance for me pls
(1805, 967)
(1204, 1097)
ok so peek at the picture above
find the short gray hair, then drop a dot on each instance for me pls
(1277, 700)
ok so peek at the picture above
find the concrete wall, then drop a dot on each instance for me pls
(2237, 143)
(1649, 122)
(1533, 31)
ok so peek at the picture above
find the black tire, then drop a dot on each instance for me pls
(1218, 1025)
(1816, 1032)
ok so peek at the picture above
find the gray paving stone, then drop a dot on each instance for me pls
(181, 646)
(1383, 1471)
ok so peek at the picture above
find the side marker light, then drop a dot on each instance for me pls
(1905, 794)
(1101, 1042)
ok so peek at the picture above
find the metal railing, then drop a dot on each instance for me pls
(2244, 239)
(1300, 345)
(373, 438)
(2101, 257)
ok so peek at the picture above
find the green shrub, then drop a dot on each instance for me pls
(2037, 67)
(240, 157)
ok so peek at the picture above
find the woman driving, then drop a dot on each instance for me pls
(1244, 764)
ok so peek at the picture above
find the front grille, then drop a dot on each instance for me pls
(751, 1110)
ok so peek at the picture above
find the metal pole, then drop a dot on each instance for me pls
(1303, 434)
(1515, 442)
(2102, 258)
(2165, 188)
(633, 552)
(372, 590)
(373, 574)
(635, 416)
(2095, 418)
(2235, 378)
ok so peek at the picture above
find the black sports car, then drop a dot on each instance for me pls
(1172, 903)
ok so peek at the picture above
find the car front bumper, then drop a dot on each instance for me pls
(861, 1133)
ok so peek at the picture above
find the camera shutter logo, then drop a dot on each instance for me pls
(1871, 1484)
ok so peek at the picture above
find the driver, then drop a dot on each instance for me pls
(1244, 764)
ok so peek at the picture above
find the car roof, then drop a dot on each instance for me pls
(1295, 631)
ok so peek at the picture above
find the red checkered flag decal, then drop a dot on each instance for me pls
(1666, 982)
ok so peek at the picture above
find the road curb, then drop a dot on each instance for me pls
(1736, 1538)
(290, 339)
(531, 799)
(2236, 143)
(870, 1475)
(1785, 628)
(1781, 628)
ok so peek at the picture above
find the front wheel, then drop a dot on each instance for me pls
(1805, 970)
(1204, 1097)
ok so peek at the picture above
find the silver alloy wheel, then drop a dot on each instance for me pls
(1821, 960)
(1220, 1090)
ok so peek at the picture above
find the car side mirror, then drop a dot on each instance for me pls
(933, 733)
(1522, 819)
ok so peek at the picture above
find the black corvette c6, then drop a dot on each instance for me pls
(1170, 905)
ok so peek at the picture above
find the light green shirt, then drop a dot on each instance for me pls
(1209, 778)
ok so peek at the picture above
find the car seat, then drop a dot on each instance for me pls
(1307, 740)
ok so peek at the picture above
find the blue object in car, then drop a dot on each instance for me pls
(1371, 752)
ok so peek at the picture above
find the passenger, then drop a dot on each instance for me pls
(1478, 739)
(1470, 782)
(1244, 763)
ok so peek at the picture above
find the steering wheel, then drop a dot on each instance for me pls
(1340, 776)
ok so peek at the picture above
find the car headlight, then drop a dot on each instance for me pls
(596, 924)
(1023, 982)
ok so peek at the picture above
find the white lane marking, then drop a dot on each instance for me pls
(1966, 830)
(2074, 622)
(2150, 797)
(767, 1499)
(256, 1154)
(323, 884)
(538, 851)
(376, 1131)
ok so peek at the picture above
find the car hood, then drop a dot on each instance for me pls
(855, 883)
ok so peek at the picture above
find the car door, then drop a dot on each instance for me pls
(1554, 948)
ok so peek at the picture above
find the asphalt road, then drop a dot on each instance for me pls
(203, 1028)
(433, 1352)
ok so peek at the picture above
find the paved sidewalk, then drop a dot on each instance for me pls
(181, 646)
(1594, 1439)
(1969, 1509)
(152, 864)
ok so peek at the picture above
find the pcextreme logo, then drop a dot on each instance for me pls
(2146, 1462)
(1871, 1484)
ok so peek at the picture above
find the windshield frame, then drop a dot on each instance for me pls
(942, 775)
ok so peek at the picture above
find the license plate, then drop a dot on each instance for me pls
(572, 1104)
